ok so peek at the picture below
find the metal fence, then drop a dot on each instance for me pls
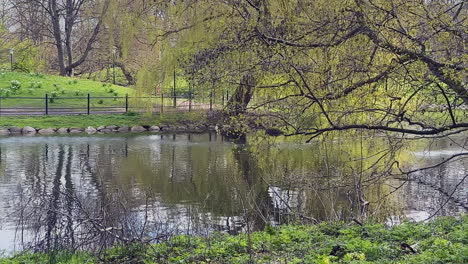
(58, 105)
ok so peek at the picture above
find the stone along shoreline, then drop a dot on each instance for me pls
(105, 129)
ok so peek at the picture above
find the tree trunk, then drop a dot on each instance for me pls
(239, 101)
(126, 73)
(55, 19)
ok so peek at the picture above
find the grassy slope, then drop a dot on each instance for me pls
(442, 241)
(33, 85)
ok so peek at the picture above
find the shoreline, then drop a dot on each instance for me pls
(110, 129)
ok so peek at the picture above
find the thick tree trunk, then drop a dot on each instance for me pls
(128, 75)
(55, 19)
(239, 101)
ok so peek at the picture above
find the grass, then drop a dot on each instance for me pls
(130, 119)
(57, 87)
(442, 241)
(72, 92)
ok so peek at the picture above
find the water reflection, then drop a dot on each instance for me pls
(92, 192)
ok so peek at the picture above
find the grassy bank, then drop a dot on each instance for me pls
(101, 120)
(442, 241)
(18, 84)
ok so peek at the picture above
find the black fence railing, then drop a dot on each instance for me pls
(51, 104)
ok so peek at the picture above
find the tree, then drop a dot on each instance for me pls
(72, 25)
(346, 65)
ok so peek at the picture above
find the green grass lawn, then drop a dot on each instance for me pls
(58, 121)
(72, 92)
(58, 88)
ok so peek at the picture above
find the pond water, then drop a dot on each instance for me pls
(85, 192)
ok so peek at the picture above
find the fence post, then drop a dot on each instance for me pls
(47, 104)
(190, 99)
(211, 100)
(126, 103)
(174, 91)
(162, 103)
(89, 99)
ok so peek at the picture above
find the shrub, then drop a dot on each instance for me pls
(36, 74)
(54, 94)
(35, 84)
(31, 90)
(15, 85)
(5, 92)
(100, 101)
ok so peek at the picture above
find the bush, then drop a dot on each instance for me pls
(31, 90)
(100, 101)
(35, 85)
(5, 92)
(36, 74)
(15, 85)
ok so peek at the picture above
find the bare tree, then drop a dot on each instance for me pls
(72, 26)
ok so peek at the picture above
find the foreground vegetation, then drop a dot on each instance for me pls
(442, 241)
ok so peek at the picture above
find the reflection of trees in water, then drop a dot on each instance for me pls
(81, 195)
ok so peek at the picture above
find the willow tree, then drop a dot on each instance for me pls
(392, 67)
(355, 64)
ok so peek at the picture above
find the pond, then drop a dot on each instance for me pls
(89, 192)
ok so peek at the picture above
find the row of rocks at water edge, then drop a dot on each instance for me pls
(104, 129)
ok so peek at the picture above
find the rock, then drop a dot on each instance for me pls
(99, 128)
(168, 128)
(47, 131)
(137, 129)
(154, 128)
(15, 130)
(29, 130)
(112, 127)
(62, 130)
(76, 130)
(105, 130)
(4, 131)
(123, 129)
(90, 130)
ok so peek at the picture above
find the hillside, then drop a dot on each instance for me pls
(18, 89)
